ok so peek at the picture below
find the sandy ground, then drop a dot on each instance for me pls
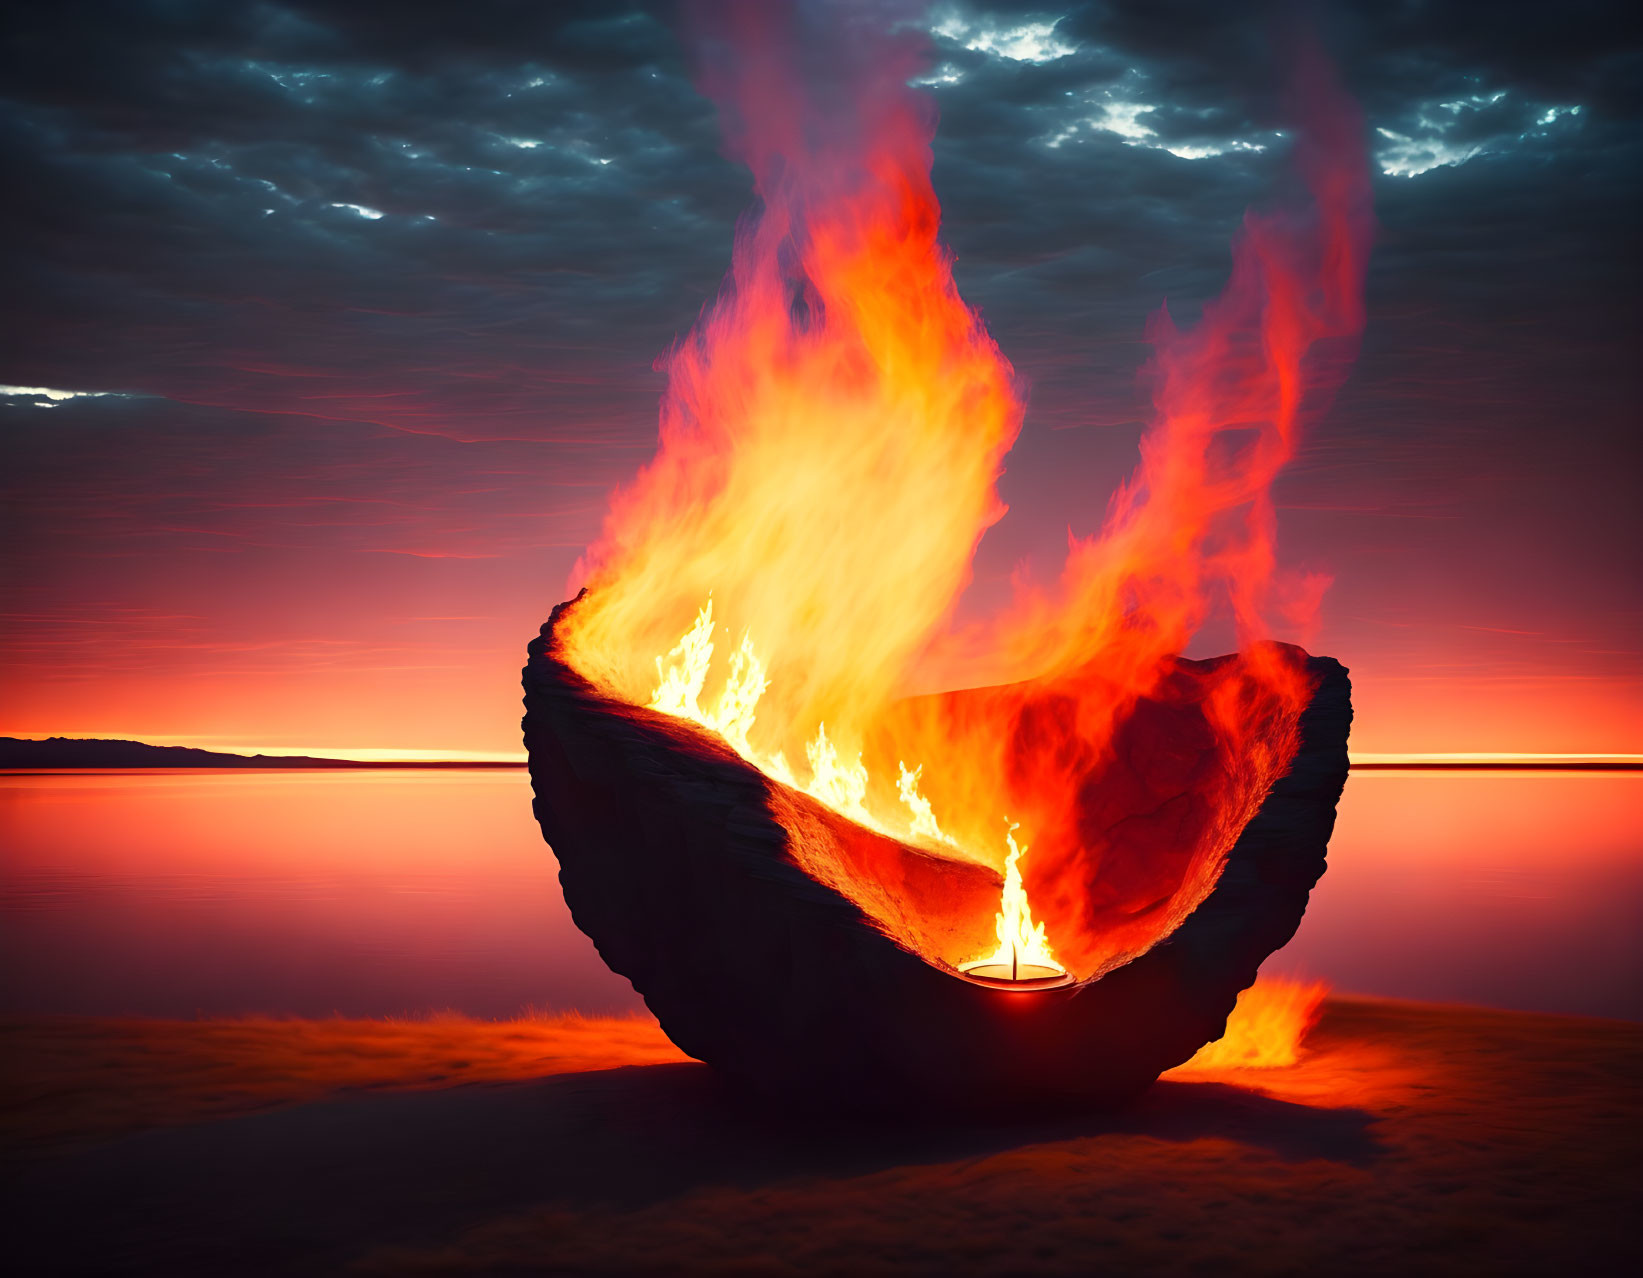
(1409, 1139)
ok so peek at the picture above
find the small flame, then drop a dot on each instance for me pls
(682, 674)
(682, 678)
(742, 692)
(923, 823)
(1266, 1028)
(839, 784)
(1021, 942)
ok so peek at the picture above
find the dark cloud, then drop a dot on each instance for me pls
(211, 207)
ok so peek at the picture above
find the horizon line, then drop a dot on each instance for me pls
(390, 757)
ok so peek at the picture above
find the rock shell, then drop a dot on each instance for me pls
(676, 859)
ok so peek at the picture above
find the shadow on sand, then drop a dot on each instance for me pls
(308, 1188)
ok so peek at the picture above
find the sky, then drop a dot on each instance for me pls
(329, 327)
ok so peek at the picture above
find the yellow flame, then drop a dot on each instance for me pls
(734, 713)
(1021, 942)
(840, 783)
(922, 822)
(681, 677)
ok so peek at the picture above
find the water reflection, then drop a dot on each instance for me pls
(1513, 889)
(362, 893)
(390, 892)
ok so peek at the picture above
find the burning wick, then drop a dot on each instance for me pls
(1023, 959)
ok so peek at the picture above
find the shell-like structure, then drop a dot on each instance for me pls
(681, 861)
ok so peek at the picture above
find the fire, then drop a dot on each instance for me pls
(1266, 1028)
(840, 784)
(1022, 945)
(830, 442)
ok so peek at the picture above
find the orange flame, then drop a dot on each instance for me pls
(830, 441)
(1266, 1028)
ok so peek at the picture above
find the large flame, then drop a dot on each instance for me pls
(830, 442)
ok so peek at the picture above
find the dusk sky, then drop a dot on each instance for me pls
(329, 328)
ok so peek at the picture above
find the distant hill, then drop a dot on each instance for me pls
(79, 752)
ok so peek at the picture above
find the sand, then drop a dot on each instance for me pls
(1409, 1138)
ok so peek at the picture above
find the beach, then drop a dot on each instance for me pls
(1409, 1138)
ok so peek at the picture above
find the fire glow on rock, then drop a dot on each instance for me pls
(830, 442)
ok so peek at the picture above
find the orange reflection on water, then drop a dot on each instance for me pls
(1513, 889)
(364, 893)
(389, 892)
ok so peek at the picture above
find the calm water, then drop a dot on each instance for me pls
(391, 892)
